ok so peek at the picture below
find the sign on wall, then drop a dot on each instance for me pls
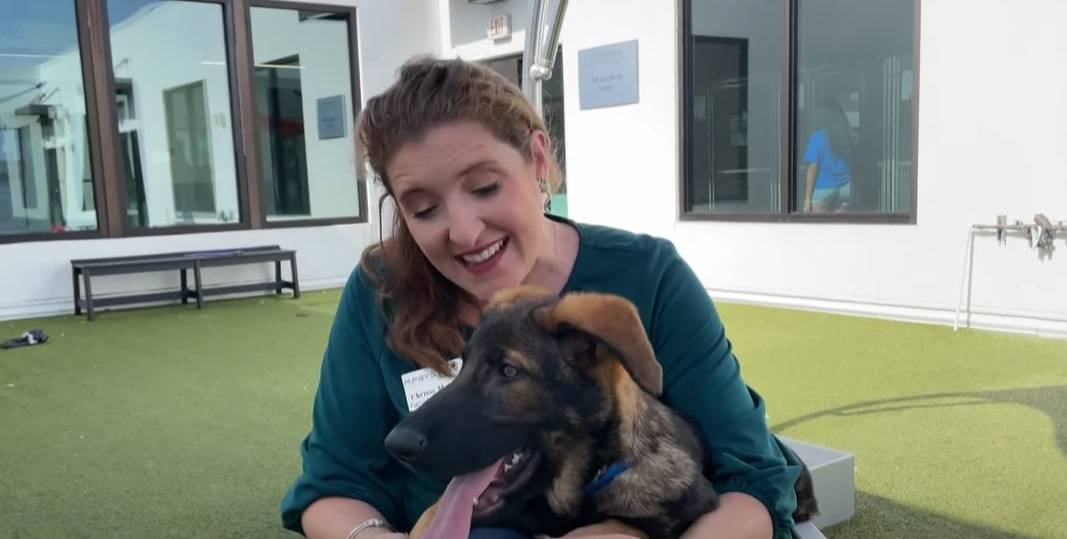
(607, 75)
(499, 27)
(331, 113)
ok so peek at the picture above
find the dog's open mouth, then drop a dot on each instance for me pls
(481, 493)
(512, 472)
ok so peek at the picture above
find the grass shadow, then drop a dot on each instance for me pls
(1050, 400)
(878, 517)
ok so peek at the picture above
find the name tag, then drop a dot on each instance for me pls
(422, 384)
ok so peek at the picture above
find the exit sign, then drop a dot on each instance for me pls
(499, 27)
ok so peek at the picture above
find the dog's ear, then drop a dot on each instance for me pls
(510, 296)
(612, 322)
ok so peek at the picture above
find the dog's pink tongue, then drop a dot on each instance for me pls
(454, 509)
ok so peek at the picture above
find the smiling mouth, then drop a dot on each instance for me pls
(515, 470)
(485, 255)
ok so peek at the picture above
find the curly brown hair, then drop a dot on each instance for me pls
(424, 306)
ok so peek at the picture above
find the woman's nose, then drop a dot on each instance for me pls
(465, 229)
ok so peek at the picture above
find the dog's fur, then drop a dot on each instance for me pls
(581, 394)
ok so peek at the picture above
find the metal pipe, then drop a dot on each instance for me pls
(539, 54)
(531, 88)
(546, 60)
(1041, 223)
(968, 252)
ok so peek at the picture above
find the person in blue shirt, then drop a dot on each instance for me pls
(829, 156)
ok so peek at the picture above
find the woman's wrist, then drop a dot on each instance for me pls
(338, 518)
(380, 533)
(374, 527)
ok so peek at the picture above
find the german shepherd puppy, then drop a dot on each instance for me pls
(553, 424)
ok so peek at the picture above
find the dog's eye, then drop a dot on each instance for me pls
(509, 371)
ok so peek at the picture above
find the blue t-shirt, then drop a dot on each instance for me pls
(833, 169)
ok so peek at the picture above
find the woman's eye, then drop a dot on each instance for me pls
(424, 213)
(488, 189)
(509, 371)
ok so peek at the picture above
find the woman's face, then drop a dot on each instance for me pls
(472, 204)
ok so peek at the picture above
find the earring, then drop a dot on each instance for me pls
(546, 198)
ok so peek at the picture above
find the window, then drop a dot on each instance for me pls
(854, 97)
(173, 103)
(140, 129)
(304, 109)
(838, 146)
(46, 181)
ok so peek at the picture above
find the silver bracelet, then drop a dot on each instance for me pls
(369, 523)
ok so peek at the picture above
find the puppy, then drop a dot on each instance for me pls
(554, 424)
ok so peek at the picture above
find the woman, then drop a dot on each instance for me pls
(465, 158)
(829, 161)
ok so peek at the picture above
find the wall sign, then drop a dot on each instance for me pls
(607, 75)
(499, 27)
(331, 114)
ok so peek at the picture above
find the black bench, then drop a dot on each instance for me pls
(88, 268)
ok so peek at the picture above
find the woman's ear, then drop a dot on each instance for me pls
(539, 148)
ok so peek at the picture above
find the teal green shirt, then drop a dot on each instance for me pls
(360, 395)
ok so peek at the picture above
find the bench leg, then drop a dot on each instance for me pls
(296, 279)
(185, 287)
(89, 310)
(277, 276)
(199, 286)
(77, 293)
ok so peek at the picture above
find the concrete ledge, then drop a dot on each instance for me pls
(833, 474)
(807, 530)
(1041, 324)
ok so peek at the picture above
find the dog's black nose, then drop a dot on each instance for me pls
(405, 443)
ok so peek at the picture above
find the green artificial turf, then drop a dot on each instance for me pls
(165, 422)
(956, 434)
(173, 422)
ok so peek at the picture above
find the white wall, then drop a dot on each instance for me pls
(466, 25)
(468, 22)
(992, 140)
(35, 276)
(622, 162)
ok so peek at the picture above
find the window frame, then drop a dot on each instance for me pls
(252, 147)
(787, 177)
(105, 142)
(83, 17)
(112, 143)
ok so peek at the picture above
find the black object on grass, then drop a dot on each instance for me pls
(33, 336)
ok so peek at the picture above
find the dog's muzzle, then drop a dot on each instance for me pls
(406, 444)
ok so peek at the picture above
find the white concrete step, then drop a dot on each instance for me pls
(833, 474)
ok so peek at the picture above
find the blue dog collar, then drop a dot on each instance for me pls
(605, 476)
